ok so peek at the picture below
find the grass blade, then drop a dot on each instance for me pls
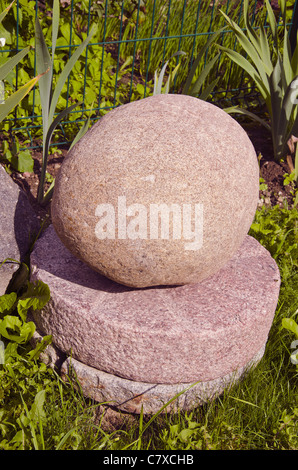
(158, 413)
(11, 63)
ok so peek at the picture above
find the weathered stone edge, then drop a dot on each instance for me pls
(129, 396)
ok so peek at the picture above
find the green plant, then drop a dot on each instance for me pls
(158, 79)
(49, 96)
(195, 89)
(20, 160)
(7, 105)
(274, 71)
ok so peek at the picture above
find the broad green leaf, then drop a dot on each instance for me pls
(7, 302)
(66, 71)
(23, 162)
(291, 325)
(36, 297)
(37, 412)
(14, 99)
(12, 328)
(11, 63)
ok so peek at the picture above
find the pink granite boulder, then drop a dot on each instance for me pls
(161, 191)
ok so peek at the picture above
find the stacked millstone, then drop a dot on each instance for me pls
(156, 288)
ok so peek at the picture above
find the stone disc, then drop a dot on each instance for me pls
(164, 335)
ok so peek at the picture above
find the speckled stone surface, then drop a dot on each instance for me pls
(164, 335)
(163, 150)
(18, 226)
(129, 396)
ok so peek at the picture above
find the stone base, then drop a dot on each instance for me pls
(129, 396)
(143, 346)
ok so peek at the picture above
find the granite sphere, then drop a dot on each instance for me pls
(160, 191)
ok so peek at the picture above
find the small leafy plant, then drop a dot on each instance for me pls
(49, 96)
(14, 308)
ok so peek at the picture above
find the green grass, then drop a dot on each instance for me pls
(38, 410)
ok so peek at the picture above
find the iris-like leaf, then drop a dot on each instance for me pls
(12, 62)
(187, 85)
(158, 80)
(64, 74)
(4, 12)
(14, 99)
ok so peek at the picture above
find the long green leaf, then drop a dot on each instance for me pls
(203, 75)
(49, 134)
(14, 99)
(208, 90)
(55, 26)
(12, 62)
(194, 67)
(81, 132)
(43, 63)
(265, 53)
(276, 94)
(272, 23)
(255, 117)
(294, 59)
(66, 71)
(247, 45)
(287, 58)
(4, 12)
(260, 43)
(158, 80)
(250, 69)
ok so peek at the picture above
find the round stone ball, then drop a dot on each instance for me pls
(160, 191)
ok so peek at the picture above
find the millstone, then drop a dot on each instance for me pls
(168, 335)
